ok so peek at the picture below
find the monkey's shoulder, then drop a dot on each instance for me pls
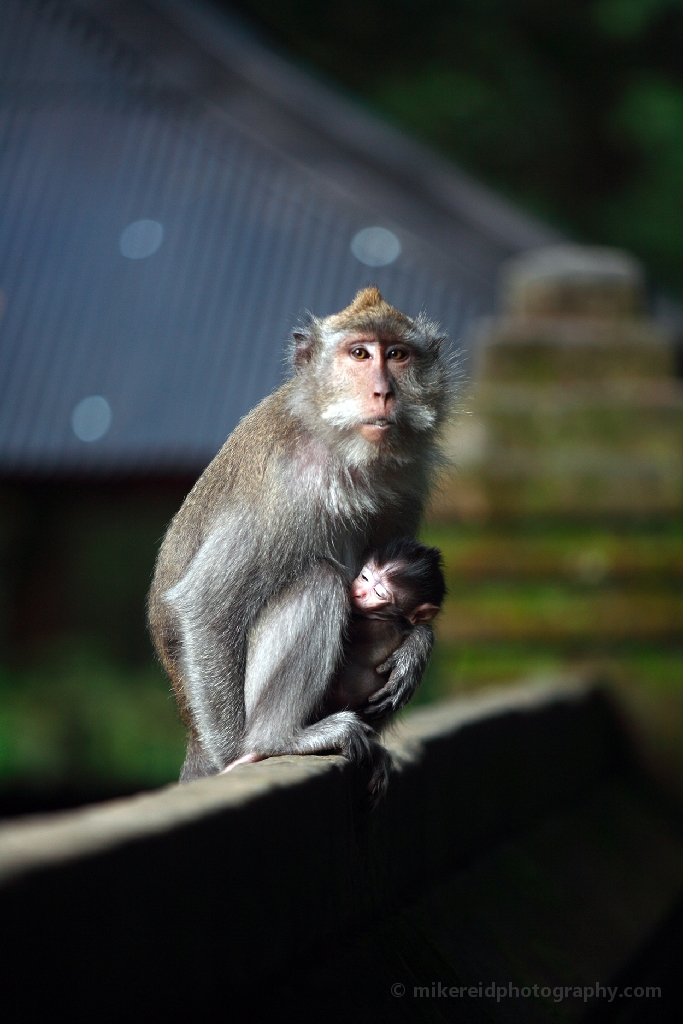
(269, 428)
(231, 480)
(264, 436)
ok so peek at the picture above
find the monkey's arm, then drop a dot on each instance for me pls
(406, 666)
(294, 647)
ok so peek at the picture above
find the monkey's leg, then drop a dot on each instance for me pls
(342, 733)
(293, 647)
(294, 650)
(328, 735)
(406, 667)
(336, 733)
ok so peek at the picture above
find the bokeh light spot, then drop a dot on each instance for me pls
(91, 418)
(376, 247)
(140, 239)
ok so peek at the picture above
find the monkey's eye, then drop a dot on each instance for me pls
(381, 592)
(397, 354)
(360, 353)
(364, 576)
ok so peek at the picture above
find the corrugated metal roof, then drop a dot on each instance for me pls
(183, 342)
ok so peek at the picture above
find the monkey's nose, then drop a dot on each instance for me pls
(381, 384)
(384, 397)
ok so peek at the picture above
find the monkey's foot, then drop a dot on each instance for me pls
(245, 759)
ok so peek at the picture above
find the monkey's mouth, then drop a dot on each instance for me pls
(376, 429)
(379, 421)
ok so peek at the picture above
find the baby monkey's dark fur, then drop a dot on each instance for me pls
(249, 602)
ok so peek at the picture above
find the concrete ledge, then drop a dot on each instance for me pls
(245, 895)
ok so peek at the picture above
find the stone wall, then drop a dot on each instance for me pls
(519, 846)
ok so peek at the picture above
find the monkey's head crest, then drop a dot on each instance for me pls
(370, 312)
(366, 298)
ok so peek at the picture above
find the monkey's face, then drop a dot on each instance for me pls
(373, 392)
(373, 383)
(376, 593)
(372, 589)
(371, 370)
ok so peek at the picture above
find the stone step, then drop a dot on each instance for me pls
(562, 350)
(573, 556)
(498, 612)
(633, 491)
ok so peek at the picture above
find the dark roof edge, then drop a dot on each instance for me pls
(228, 39)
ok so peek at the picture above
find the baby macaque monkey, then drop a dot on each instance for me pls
(400, 586)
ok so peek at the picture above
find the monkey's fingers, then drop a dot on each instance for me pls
(381, 706)
(378, 695)
(384, 696)
(391, 698)
(359, 741)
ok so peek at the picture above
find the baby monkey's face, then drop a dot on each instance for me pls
(375, 593)
(373, 589)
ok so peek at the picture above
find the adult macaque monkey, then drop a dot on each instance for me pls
(249, 602)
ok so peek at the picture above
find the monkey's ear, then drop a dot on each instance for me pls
(302, 349)
(423, 613)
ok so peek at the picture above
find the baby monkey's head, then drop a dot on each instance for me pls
(403, 579)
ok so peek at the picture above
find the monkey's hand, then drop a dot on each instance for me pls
(405, 667)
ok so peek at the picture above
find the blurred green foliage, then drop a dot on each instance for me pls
(573, 110)
(85, 710)
(76, 719)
